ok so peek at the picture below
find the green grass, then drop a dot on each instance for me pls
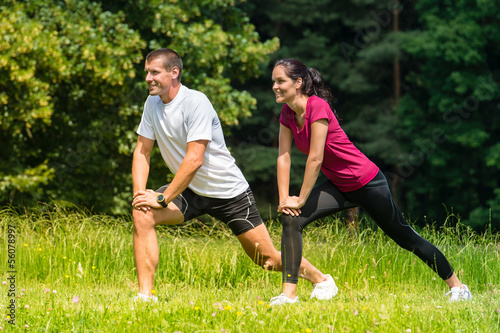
(75, 273)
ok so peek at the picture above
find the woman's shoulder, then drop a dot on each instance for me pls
(318, 107)
(318, 102)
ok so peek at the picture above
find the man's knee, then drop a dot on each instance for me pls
(270, 263)
(143, 219)
(268, 259)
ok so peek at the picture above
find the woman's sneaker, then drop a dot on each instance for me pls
(459, 294)
(283, 299)
(325, 290)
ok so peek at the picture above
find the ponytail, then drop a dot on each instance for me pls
(312, 81)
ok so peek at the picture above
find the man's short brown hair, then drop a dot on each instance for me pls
(170, 59)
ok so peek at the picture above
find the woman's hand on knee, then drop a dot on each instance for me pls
(290, 206)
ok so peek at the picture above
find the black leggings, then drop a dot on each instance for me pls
(376, 199)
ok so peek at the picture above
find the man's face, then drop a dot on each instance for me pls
(158, 78)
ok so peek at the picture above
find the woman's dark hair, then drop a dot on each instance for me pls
(312, 81)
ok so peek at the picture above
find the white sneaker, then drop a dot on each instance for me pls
(145, 298)
(325, 290)
(459, 294)
(283, 299)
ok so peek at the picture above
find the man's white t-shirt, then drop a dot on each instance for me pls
(189, 117)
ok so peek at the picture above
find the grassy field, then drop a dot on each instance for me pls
(72, 271)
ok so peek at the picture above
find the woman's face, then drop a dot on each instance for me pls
(284, 87)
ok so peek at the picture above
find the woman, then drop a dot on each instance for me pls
(308, 119)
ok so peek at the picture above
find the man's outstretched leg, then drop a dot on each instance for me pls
(259, 247)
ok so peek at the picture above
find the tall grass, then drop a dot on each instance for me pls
(75, 272)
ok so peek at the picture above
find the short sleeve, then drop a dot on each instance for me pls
(320, 109)
(199, 118)
(145, 128)
(286, 115)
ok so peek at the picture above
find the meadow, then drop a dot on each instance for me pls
(68, 270)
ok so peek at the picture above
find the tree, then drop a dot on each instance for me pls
(433, 128)
(73, 89)
(449, 111)
(352, 45)
(64, 68)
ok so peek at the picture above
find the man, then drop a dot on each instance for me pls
(207, 180)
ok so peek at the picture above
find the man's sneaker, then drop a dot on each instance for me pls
(283, 299)
(459, 294)
(145, 298)
(325, 290)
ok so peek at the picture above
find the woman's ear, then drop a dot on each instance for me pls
(298, 83)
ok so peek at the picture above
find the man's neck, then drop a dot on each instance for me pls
(174, 90)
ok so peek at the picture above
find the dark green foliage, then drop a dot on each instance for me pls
(72, 89)
(71, 93)
(434, 128)
(449, 112)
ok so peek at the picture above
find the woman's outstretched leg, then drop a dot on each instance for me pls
(376, 199)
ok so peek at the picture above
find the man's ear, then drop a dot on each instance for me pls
(175, 72)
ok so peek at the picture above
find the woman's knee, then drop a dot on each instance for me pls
(409, 241)
(291, 223)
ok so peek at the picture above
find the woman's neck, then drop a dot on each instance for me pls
(299, 104)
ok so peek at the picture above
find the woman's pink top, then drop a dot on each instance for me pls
(346, 167)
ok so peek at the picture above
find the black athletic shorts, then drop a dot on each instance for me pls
(239, 213)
